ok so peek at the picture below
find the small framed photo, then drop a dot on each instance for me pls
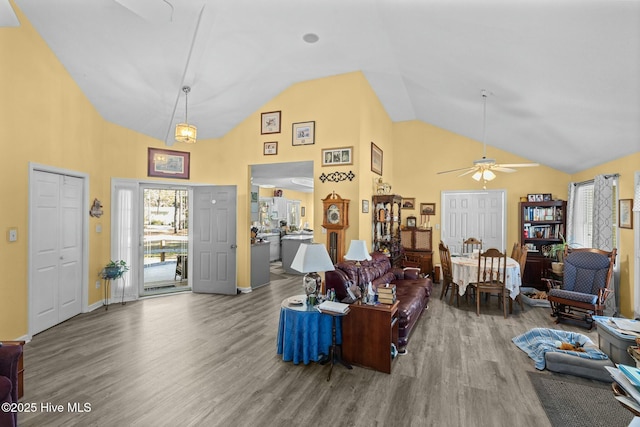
(376, 159)
(337, 156)
(427, 208)
(270, 148)
(625, 215)
(167, 163)
(409, 203)
(270, 122)
(303, 211)
(304, 133)
(546, 197)
(411, 221)
(365, 206)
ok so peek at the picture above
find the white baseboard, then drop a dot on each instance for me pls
(245, 290)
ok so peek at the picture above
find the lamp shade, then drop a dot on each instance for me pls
(357, 251)
(186, 133)
(311, 258)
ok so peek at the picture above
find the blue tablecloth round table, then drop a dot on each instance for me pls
(304, 333)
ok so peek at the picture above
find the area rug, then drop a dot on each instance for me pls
(572, 401)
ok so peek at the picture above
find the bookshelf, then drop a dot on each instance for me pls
(541, 224)
(386, 226)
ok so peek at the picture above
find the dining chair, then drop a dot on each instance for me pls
(470, 244)
(492, 274)
(447, 274)
(519, 254)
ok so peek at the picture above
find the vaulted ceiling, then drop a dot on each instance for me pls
(563, 76)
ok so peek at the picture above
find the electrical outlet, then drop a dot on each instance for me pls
(97, 284)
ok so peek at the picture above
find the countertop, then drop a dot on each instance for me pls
(297, 237)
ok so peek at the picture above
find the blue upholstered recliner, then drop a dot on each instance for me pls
(585, 285)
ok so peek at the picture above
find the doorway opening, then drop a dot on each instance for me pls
(165, 240)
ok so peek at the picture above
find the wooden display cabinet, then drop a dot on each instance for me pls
(417, 243)
(386, 226)
(367, 334)
(541, 224)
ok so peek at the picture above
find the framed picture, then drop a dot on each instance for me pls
(337, 156)
(427, 208)
(304, 133)
(411, 221)
(270, 148)
(546, 197)
(376, 159)
(625, 215)
(270, 122)
(409, 203)
(537, 197)
(365, 206)
(167, 163)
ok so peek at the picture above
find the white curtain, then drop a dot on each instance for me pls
(603, 212)
(123, 231)
(604, 203)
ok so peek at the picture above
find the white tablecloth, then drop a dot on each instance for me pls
(465, 271)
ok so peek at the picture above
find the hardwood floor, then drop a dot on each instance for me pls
(208, 360)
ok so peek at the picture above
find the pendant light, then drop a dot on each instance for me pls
(184, 131)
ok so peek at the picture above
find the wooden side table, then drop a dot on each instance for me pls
(20, 366)
(336, 349)
(367, 334)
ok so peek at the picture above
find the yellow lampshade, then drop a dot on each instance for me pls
(186, 133)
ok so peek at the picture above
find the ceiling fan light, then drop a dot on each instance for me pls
(186, 133)
(488, 175)
(477, 176)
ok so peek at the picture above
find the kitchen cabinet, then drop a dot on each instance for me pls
(290, 246)
(260, 270)
(274, 245)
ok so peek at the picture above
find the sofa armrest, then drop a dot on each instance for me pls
(411, 273)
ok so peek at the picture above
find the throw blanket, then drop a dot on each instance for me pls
(537, 342)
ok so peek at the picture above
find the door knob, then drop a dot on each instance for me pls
(234, 246)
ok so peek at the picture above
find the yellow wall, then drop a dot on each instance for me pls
(53, 124)
(424, 150)
(626, 167)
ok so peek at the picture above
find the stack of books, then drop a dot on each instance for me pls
(627, 378)
(387, 294)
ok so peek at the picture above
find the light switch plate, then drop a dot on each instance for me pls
(13, 234)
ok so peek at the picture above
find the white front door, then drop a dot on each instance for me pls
(480, 214)
(214, 240)
(56, 249)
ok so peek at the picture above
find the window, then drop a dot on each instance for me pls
(583, 213)
(583, 216)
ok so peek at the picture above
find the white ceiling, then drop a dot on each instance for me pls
(563, 75)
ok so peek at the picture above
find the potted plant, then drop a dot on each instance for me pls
(114, 269)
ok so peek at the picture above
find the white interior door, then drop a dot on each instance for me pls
(480, 214)
(56, 249)
(214, 240)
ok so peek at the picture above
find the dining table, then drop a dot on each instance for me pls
(464, 270)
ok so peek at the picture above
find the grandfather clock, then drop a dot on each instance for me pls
(335, 218)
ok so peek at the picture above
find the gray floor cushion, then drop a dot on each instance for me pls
(573, 365)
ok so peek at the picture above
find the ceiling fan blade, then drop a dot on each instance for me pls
(471, 170)
(501, 168)
(518, 165)
(459, 169)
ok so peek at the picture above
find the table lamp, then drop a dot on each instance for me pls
(357, 252)
(311, 258)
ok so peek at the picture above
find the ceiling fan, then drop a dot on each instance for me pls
(483, 168)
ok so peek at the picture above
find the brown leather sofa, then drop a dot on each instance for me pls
(9, 355)
(412, 291)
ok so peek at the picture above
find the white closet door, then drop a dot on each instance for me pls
(56, 249)
(480, 214)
